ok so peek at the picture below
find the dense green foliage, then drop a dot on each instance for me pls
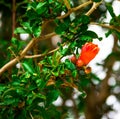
(29, 91)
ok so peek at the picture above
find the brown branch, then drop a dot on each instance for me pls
(67, 4)
(42, 55)
(104, 89)
(93, 8)
(82, 5)
(23, 53)
(106, 26)
(13, 16)
(75, 109)
(75, 9)
(95, 5)
(33, 41)
(95, 99)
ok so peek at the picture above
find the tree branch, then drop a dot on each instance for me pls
(33, 41)
(67, 4)
(93, 8)
(42, 55)
(104, 89)
(106, 26)
(75, 9)
(23, 53)
(95, 99)
(13, 16)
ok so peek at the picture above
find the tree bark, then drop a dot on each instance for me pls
(96, 98)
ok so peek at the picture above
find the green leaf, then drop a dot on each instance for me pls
(69, 65)
(55, 73)
(73, 44)
(117, 34)
(20, 30)
(84, 19)
(31, 14)
(60, 30)
(10, 101)
(56, 58)
(14, 40)
(41, 96)
(88, 36)
(22, 114)
(27, 76)
(28, 67)
(41, 7)
(96, 0)
(40, 83)
(64, 51)
(110, 9)
(108, 33)
(85, 38)
(26, 25)
(62, 27)
(16, 83)
(83, 94)
(2, 88)
(36, 30)
(95, 77)
(91, 34)
(74, 73)
(31, 5)
(34, 96)
(52, 96)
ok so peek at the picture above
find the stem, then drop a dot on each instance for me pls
(23, 53)
(104, 89)
(67, 4)
(106, 26)
(93, 8)
(31, 116)
(75, 9)
(75, 109)
(13, 16)
(96, 99)
(34, 40)
(42, 55)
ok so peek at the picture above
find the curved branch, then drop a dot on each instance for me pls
(13, 16)
(42, 55)
(104, 87)
(93, 8)
(106, 26)
(67, 4)
(33, 41)
(75, 9)
(23, 53)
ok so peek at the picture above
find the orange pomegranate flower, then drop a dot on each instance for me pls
(88, 52)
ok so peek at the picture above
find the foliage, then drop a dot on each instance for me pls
(30, 90)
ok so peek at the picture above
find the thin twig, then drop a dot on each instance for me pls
(106, 26)
(82, 5)
(13, 16)
(104, 87)
(42, 55)
(75, 9)
(33, 41)
(31, 116)
(67, 4)
(23, 53)
(93, 8)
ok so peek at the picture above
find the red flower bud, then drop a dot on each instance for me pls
(79, 63)
(88, 52)
(87, 70)
(73, 59)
